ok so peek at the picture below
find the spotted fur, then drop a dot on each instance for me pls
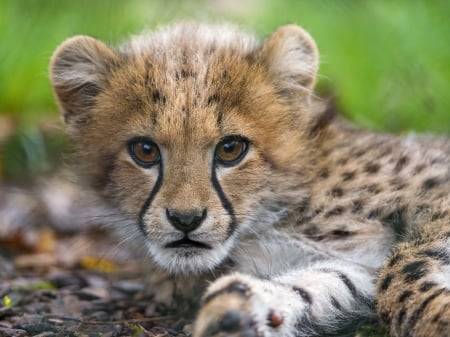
(316, 226)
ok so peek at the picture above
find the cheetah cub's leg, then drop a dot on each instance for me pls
(325, 298)
(414, 289)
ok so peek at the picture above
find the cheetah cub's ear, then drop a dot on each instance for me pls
(291, 56)
(78, 71)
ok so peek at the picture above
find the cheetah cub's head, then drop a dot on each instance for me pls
(196, 134)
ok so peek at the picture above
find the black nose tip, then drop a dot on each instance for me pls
(186, 221)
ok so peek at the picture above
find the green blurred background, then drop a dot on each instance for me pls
(384, 63)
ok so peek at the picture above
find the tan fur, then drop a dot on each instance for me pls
(316, 207)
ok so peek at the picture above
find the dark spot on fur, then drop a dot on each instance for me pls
(384, 316)
(351, 287)
(437, 254)
(438, 161)
(338, 210)
(335, 303)
(371, 168)
(415, 270)
(213, 99)
(313, 233)
(302, 206)
(360, 153)
(401, 317)
(156, 96)
(401, 163)
(337, 192)
(303, 294)
(154, 117)
(347, 176)
(317, 211)
(396, 220)
(228, 263)
(374, 213)
(395, 259)
(397, 184)
(219, 119)
(341, 233)
(373, 188)
(147, 77)
(81, 120)
(405, 295)
(327, 152)
(324, 173)
(386, 282)
(349, 284)
(427, 286)
(430, 183)
(89, 90)
(311, 230)
(436, 318)
(418, 313)
(439, 215)
(419, 168)
(357, 206)
(184, 73)
(386, 151)
(342, 161)
(323, 120)
(422, 209)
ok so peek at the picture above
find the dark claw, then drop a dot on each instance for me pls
(235, 287)
(238, 287)
(231, 321)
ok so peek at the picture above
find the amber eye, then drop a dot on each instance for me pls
(231, 150)
(144, 152)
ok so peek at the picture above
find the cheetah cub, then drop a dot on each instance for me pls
(231, 175)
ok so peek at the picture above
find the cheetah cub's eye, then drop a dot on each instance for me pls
(231, 150)
(144, 152)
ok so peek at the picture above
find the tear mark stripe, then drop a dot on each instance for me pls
(226, 204)
(150, 198)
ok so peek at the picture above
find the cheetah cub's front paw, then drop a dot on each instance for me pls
(240, 306)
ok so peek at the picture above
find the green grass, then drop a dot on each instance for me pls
(385, 62)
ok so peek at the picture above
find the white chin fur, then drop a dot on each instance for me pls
(189, 260)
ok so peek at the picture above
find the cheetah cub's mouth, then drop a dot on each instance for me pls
(188, 243)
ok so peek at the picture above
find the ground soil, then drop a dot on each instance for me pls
(45, 294)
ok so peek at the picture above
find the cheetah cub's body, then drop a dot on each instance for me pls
(225, 169)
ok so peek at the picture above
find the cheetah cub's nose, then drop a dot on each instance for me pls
(186, 221)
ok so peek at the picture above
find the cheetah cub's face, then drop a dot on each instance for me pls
(192, 132)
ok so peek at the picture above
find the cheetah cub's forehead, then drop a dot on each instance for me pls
(187, 77)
